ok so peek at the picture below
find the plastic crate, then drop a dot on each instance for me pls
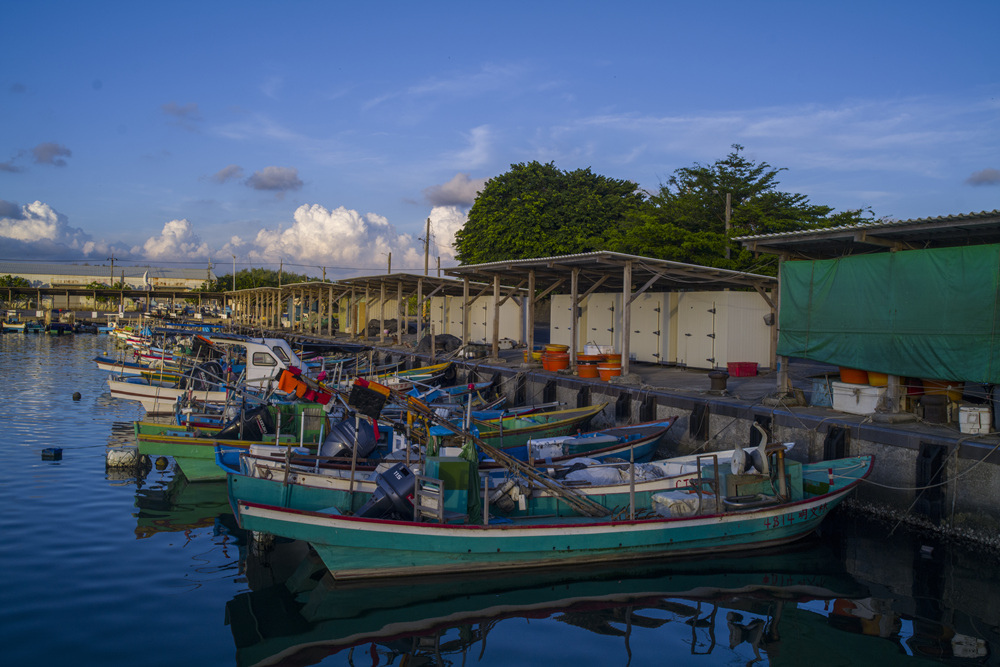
(742, 369)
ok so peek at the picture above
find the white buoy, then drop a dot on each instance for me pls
(124, 457)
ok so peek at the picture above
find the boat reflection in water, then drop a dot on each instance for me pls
(713, 603)
(184, 506)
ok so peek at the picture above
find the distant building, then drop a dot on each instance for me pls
(44, 274)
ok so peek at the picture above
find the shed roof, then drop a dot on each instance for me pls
(940, 232)
(605, 271)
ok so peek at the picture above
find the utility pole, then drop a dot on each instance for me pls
(112, 258)
(729, 215)
(234, 273)
(390, 263)
(427, 245)
(281, 266)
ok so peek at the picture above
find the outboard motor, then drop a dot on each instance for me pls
(205, 376)
(249, 425)
(393, 495)
(340, 440)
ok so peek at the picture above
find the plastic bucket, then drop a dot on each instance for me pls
(853, 376)
(608, 371)
(587, 370)
(555, 361)
(878, 379)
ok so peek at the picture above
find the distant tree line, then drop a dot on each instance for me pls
(251, 278)
(537, 210)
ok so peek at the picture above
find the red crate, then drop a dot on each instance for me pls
(742, 369)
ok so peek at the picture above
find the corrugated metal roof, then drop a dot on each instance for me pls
(876, 225)
(942, 231)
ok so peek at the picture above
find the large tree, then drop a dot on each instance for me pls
(538, 210)
(696, 213)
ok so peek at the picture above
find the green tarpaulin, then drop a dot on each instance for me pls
(915, 313)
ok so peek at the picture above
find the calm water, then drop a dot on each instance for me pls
(101, 568)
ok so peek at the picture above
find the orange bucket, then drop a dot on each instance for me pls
(608, 371)
(587, 370)
(853, 376)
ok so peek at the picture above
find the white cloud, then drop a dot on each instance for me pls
(331, 237)
(39, 228)
(176, 241)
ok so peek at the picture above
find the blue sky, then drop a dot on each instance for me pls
(325, 134)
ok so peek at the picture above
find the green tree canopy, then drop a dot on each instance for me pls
(14, 281)
(251, 278)
(538, 210)
(686, 220)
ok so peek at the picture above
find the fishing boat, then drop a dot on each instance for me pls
(194, 450)
(266, 475)
(748, 517)
(158, 397)
(516, 430)
(267, 359)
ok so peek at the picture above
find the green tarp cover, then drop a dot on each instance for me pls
(916, 313)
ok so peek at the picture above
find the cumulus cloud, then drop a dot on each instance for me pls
(278, 179)
(984, 177)
(10, 167)
(51, 153)
(38, 231)
(176, 240)
(445, 222)
(459, 191)
(333, 237)
(226, 174)
(344, 238)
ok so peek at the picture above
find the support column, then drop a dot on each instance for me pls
(626, 314)
(465, 310)
(496, 316)
(381, 313)
(574, 320)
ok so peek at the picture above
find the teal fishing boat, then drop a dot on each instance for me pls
(736, 511)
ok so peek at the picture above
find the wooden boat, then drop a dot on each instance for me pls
(515, 431)
(258, 475)
(30, 326)
(355, 547)
(158, 397)
(194, 450)
(266, 361)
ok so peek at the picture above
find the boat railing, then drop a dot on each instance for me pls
(712, 482)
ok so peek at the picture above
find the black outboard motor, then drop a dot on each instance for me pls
(248, 425)
(340, 440)
(393, 495)
(204, 376)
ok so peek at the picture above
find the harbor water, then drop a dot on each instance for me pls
(112, 567)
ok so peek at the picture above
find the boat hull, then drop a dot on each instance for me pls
(155, 398)
(353, 547)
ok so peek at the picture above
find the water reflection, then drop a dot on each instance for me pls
(736, 603)
(182, 506)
